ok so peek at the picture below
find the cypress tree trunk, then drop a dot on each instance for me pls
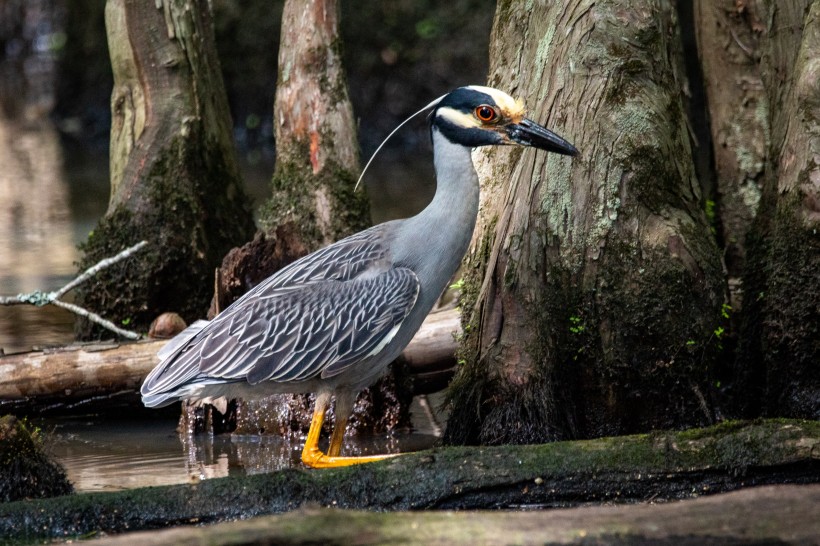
(729, 39)
(312, 203)
(594, 285)
(780, 339)
(317, 153)
(174, 176)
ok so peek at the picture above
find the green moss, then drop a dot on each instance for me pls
(790, 318)
(333, 89)
(26, 471)
(625, 82)
(628, 336)
(664, 464)
(652, 178)
(294, 187)
(464, 395)
(191, 210)
(651, 305)
(474, 276)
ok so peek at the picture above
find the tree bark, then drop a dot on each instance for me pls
(174, 175)
(594, 286)
(317, 153)
(780, 339)
(729, 40)
(663, 465)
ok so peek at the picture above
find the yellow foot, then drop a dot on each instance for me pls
(316, 459)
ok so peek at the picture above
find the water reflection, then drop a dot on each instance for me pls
(36, 235)
(107, 456)
(112, 455)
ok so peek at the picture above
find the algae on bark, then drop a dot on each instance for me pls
(26, 470)
(639, 468)
(780, 339)
(174, 175)
(595, 284)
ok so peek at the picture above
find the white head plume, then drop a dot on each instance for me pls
(399, 126)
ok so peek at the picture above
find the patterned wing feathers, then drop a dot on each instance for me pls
(312, 317)
(320, 329)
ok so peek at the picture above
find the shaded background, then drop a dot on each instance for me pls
(55, 87)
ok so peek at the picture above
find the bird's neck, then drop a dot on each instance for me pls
(442, 231)
(456, 195)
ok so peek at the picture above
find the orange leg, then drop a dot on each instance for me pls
(313, 457)
(343, 409)
(339, 426)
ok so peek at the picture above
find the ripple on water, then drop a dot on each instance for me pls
(105, 455)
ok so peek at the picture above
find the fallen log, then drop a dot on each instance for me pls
(80, 373)
(646, 467)
(783, 514)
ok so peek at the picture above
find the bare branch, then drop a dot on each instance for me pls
(94, 317)
(40, 299)
(102, 264)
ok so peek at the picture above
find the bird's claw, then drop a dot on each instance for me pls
(314, 458)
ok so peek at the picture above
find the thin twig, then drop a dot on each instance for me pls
(94, 317)
(40, 299)
(94, 269)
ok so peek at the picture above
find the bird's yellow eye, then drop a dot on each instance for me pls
(486, 113)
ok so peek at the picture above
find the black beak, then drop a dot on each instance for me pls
(530, 133)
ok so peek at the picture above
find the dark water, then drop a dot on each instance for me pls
(105, 454)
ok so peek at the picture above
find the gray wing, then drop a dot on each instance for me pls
(343, 260)
(293, 333)
(319, 329)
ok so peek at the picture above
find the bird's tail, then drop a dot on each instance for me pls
(158, 388)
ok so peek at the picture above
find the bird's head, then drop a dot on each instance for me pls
(482, 116)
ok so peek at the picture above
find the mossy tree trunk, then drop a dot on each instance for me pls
(632, 469)
(594, 285)
(312, 202)
(174, 175)
(780, 339)
(729, 35)
(317, 152)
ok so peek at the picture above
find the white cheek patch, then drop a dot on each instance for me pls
(459, 119)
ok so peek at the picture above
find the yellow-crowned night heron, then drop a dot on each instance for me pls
(332, 321)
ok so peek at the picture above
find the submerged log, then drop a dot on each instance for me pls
(765, 515)
(645, 467)
(40, 379)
